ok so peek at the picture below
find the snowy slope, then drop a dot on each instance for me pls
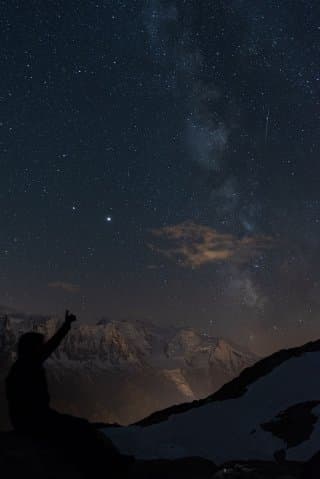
(241, 421)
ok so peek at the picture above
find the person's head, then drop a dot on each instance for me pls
(30, 344)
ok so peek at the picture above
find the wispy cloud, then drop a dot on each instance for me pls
(193, 245)
(68, 287)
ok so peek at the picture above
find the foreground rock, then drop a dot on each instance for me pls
(24, 457)
(260, 470)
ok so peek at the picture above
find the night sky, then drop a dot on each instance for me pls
(160, 160)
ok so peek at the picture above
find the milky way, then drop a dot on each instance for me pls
(121, 119)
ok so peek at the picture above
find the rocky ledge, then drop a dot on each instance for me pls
(22, 456)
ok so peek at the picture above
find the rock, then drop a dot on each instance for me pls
(259, 470)
(22, 456)
(311, 469)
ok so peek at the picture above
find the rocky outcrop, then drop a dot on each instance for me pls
(25, 457)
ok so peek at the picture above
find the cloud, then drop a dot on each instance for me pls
(68, 287)
(193, 245)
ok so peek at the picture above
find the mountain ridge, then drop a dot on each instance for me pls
(237, 386)
(269, 412)
(124, 370)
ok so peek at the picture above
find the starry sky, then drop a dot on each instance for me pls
(160, 160)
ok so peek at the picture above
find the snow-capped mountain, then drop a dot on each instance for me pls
(121, 371)
(271, 410)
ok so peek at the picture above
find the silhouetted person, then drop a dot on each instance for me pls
(30, 412)
(27, 389)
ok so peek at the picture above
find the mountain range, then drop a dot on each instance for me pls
(122, 371)
(261, 424)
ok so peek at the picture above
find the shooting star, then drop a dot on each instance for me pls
(267, 126)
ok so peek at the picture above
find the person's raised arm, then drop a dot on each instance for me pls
(52, 344)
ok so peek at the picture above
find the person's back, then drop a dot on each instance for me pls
(27, 393)
(26, 384)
